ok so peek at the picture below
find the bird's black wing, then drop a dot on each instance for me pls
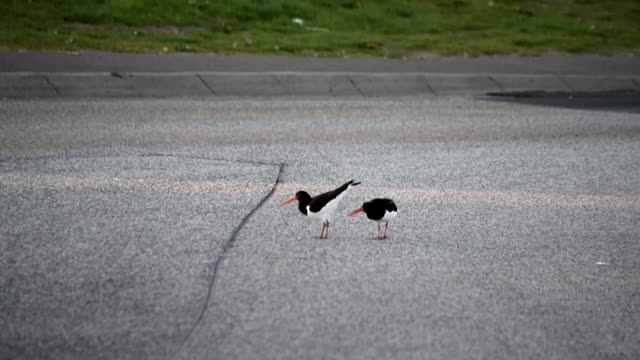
(318, 202)
(390, 205)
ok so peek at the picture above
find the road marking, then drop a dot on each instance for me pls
(78, 183)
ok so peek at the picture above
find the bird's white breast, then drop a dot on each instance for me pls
(327, 210)
(389, 215)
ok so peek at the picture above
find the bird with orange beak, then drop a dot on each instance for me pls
(378, 210)
(321, 206)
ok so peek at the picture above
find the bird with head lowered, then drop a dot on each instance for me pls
(378, 210)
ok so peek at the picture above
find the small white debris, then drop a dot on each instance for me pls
(601, 263)
(297, 21)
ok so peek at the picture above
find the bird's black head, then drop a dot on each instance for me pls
(303, 197)
(303, 200)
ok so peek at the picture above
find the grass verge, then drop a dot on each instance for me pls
(324, 27)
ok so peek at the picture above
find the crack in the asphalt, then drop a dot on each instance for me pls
(228, 244)
(206, 85)
(51, 84)
(355, 85)
(496, 83)
(426, 82)
(225, 248)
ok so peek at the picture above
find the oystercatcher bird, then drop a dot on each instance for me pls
(378, 210)
(321, 206)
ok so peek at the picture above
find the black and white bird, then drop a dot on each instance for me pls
(321, 206)
(378, 210)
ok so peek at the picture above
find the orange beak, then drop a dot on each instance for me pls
(355, 211)
(289, 200)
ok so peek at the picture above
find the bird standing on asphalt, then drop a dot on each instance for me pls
(321, 206)
(378, 210)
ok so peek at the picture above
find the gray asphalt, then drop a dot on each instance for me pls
(517, 234)
(87, 74)
(96, 61)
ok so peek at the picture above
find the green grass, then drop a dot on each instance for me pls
(331, 27)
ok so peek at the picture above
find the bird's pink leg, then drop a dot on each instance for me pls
(385, 230)
(326, 234)
(378, 233)
(322, 232)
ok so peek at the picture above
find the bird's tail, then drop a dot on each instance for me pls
(352, 183)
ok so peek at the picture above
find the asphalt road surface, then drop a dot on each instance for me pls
(150, 229)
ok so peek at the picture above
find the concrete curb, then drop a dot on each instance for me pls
(220, 84)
